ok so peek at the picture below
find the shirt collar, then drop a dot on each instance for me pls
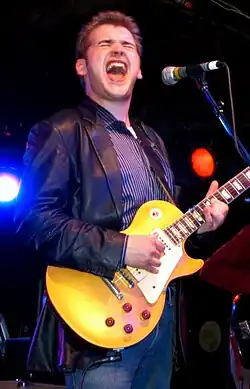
(109, 119)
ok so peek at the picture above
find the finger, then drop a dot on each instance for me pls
(155, 262)
(217, 216)
(152, 269)
(156, 254)
(218, 207)
(208, 217)
(213, 188)
(159, 246)
(213, 211)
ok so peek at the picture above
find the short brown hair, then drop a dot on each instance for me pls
(115, 18)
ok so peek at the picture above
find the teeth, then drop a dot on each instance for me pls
(117, 64)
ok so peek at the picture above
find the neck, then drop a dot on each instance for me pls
(119, 109)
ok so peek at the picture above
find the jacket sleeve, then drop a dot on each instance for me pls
(42, 219)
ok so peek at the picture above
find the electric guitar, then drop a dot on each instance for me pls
(119, 313)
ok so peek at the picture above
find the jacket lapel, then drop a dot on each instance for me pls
(106, 155)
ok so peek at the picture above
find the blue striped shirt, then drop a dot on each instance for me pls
(139, 184)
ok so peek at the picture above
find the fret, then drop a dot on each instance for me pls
(197, 215)
(179, 229)
(218, 196)
(185, 223)
(200, 206)
(183, 228)
(243, 177)
(171, 235)
(226, 195)
(232, 190)
(176, 233)
(190, 223)
(237, 185)
(194, 220)
(194, 217)
(245, 180)
(247, 173)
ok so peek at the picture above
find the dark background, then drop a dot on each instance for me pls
(37, 78)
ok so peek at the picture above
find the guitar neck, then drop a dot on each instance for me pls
(191, 221)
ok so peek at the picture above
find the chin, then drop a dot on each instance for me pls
(120, 92)
(120, 97)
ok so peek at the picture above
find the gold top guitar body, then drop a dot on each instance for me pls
(121, 313)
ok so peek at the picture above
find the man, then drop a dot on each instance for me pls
(88, 170)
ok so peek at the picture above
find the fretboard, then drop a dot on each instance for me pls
(191, 221)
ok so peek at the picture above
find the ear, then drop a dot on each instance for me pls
(139, 75)
(81, 67)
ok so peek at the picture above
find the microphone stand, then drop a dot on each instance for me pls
(202, 85)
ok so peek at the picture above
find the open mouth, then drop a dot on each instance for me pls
(116, 70)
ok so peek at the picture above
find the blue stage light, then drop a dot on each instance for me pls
(9, 187)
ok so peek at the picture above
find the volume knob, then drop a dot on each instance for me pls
(110, 322)
(128, 328)
(127, 307)
(145, 314)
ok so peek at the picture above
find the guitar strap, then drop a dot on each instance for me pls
(152, 153)
(165, 190)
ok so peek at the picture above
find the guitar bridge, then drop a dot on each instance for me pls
(127, 278)
(113, 288)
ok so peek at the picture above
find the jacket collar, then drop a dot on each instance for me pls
(88, 110)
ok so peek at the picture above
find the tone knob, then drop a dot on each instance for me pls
(127, 307)
(110, 322)
(128, 328)
(145, 314)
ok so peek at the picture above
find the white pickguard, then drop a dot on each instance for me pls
(152, 285)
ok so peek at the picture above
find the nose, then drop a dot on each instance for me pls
(117, 48)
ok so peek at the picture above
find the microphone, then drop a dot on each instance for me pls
(171, 74)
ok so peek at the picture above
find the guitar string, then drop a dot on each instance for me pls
(228, 186)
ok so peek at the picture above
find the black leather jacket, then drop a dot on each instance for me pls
(70, 211)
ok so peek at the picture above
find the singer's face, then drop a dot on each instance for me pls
(112, 64)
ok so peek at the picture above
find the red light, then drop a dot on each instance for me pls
(236, 298)
(202, 162)
(188, 5)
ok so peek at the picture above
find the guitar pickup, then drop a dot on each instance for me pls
(127, 278)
